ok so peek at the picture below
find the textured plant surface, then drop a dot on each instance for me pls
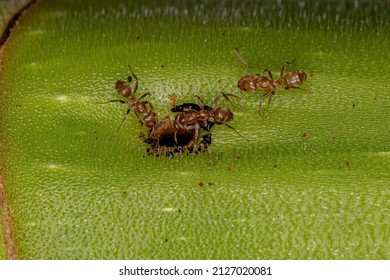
(312, 183)
(7, 11)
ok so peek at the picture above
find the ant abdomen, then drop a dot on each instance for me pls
(294, 79)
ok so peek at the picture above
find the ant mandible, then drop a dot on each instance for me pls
(146, 117)
(252, 83)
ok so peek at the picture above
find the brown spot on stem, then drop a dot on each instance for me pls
(9, 242)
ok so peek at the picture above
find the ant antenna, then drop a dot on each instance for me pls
(229, 126)
(291, 62)
(241, 59)
(131, 70)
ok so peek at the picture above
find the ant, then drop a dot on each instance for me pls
(146, 117)
(164, 138)
(252, 83)
(186, 106)
(193, 117)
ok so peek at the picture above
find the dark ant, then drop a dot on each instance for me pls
(146, 117)
(199, 117)
(252, 83)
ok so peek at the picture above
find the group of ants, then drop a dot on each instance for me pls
(183, 132)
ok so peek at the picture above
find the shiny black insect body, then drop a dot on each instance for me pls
(194, 106)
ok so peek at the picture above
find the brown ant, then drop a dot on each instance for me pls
(193, 118)
(146, 117)
(252, 83)
(186, 106)
(163, 138)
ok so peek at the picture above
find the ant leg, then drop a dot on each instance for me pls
(281, 72)
(196, 136)
(124, 118)
(151, 108)
(284, 66)
(242, 60)
(297, 87)
(139, 119)
(175, 137)
(269, 99)
(226, 96)
(262, 99)
(268, 70)
(241, 95)
(233, 95)
(199, 102)
(217, 99)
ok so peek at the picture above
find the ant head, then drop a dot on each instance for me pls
(222, 115)
(129, 79)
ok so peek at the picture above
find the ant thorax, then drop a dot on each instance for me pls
(264, 83)
(204, 115)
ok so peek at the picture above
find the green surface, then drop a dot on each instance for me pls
(8, 9)
(312, 183)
